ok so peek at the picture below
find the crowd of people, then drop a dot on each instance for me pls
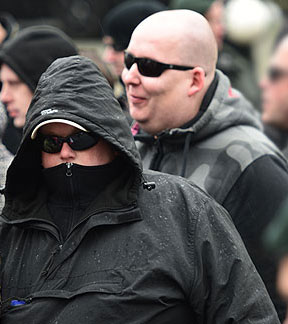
(165, 203)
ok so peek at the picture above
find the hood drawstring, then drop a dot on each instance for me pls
(185, 154)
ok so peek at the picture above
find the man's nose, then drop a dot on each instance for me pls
(5, 95)
(67, 153)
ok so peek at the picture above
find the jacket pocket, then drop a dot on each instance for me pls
(91, 287)
(60, 305)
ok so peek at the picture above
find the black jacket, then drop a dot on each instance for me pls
(166, 255)
(224, 151)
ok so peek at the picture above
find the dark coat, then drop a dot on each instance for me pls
(165, 255)
(225, 152)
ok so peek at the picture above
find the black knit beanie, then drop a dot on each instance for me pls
(33, 49)
(120, 21)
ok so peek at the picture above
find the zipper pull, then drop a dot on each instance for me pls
(51, 260)
(69, 169)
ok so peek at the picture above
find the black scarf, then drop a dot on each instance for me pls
(72, 189)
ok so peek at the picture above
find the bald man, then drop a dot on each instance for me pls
(190, 122)
(275, 97)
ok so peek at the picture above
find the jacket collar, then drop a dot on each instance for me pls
(121, 194)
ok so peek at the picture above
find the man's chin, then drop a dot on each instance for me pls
(148, 128)
(18, 123)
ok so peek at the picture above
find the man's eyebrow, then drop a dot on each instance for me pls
(14, 81)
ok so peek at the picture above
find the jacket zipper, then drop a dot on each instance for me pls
(157, 157)
(50, 262)
(69, 169)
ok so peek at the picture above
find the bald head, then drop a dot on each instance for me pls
(175, 37)
(183, 33)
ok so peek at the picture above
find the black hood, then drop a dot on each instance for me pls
(72, 88)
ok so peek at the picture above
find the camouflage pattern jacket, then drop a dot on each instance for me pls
(224, 151)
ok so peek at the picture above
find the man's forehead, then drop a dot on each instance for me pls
(141, 40)
(7, 73)
(281, 53)
(154, 30)
(169, 30)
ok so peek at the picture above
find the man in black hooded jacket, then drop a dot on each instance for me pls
(87, 237)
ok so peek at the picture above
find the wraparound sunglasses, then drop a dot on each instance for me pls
(151, 68)
(78, 142)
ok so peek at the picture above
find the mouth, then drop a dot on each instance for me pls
(13, 113)
(134, 99)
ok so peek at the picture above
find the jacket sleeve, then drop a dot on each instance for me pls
(226, 287)
(252, 203)
(275, 235)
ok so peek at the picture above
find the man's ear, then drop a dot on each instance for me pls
(197, 81)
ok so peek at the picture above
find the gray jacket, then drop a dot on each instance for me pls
(224, 151)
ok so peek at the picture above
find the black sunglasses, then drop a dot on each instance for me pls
(151, 68)
(274, 74)
(78, 142)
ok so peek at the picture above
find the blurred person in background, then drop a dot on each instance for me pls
(23, 59)
(11, 136)
(118, 26)
(5, 155)
(275, 97)
(190, 122)
(231, 61)
(8, 27)
(275, 239)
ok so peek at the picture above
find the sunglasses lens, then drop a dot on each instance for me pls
(78, 142)
(145, 66)
(150, 68)
(128, 60)
(82, 141)
(51, 144)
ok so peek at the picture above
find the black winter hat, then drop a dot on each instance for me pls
(33, 49)
(9, 23)
(120, 21)
(201, 6)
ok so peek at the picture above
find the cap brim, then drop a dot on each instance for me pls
(57, 120)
